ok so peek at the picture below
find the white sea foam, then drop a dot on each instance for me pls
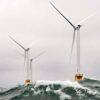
(62, 83)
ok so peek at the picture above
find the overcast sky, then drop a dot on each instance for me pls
(36, 24)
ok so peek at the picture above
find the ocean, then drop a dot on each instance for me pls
(87, 89)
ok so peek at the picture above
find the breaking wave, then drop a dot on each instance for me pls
(87, 89)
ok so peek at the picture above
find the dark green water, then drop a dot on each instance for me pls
(88, 89)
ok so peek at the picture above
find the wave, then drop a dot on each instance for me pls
(87, 89)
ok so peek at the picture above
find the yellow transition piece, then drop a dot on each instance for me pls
(28, 82)
(78, 77)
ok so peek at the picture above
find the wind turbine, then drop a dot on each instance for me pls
(30, 66)
(26, 58)
(31, 60)
(76, 31)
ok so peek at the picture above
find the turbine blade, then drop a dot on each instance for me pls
(62, 15)
(73, 41)
(38, 55)
(24, 58)
(85, 19)
(20, 53)
(16, 42)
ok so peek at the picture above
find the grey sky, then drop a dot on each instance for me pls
(37, 22)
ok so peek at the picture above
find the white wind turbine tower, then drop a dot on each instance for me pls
(26, 60)
(76, 31)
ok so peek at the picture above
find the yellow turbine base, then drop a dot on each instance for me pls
(27, 82)
(78, 77)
